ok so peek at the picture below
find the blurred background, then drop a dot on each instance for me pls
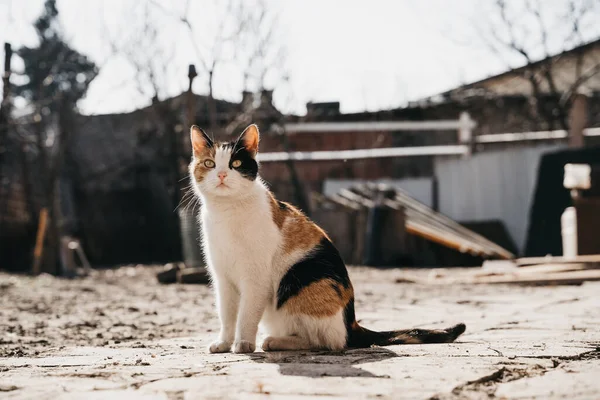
(416, 133)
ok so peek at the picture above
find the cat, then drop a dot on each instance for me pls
(272, 265)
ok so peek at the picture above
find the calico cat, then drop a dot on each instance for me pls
(270, 264)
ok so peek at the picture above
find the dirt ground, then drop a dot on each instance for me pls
(119, 334)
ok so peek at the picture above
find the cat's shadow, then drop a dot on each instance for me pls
(315, 364)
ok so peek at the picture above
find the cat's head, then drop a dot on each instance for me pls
(226, 169)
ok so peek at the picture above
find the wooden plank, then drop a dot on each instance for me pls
(557, 278)
(169, 273)
(548, 268)
(193, 275)
(541, 278)
(535, 269)
(595, 258)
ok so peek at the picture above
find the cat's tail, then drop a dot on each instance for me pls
(359, 337)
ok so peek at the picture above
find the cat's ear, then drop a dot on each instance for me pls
(200, 140)
(249, 139)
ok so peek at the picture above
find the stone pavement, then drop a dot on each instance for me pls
(121, 335)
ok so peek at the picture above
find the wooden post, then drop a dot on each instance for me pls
(339, 224)
(39, 241)
(191, 104)
(7, 71)
(188, 222)
(578, 120)
(465, 130)
(181, 147)
(377, 217)
(393, 238)
(5, 103)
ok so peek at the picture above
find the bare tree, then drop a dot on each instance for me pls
(264, 60)
(530, 31)
(57, 76)
(215, 47)
(234, 39)
(141, 43)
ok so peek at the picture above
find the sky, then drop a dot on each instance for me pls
(368, 55)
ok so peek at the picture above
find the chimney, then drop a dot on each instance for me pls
(247, 99)
(266, 97)
(323, 109)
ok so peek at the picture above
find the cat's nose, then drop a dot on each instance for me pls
(222, 175)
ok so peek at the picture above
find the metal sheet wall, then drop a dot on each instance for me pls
(491, 185)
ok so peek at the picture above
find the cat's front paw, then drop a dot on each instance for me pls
(243, 346)
(219, 346)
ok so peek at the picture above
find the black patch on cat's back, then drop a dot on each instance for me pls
(249, 167)
(322, 263)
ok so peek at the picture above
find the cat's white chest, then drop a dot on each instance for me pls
(239, 243)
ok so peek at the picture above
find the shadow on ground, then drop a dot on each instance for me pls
(318, 364)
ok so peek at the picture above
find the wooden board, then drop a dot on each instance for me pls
(595, 258)
(557, 278)
(193, 275)
(570, 277)
(550, 268)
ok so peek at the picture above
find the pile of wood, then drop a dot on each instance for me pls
(384, 221)
(523, 271)
(179, 273)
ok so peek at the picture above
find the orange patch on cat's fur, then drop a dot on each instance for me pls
(299, 232)
(202, 151)
(199, 170)
(277, 212)
(323, 298)
(250, 138)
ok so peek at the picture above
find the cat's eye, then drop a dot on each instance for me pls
(209, 163)
(236, 163)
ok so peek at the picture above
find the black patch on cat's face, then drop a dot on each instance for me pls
(249, 167)
(322, 263)
(209, 142)
(282, 205)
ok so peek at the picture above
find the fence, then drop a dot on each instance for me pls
(464, 127)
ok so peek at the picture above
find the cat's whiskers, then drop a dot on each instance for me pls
(196, 203)
(188, 193)
(190, 204)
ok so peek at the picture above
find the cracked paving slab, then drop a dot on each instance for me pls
(119, 334)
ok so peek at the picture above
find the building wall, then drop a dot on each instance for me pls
(492, 114)
(313, 174)
(492, 185)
